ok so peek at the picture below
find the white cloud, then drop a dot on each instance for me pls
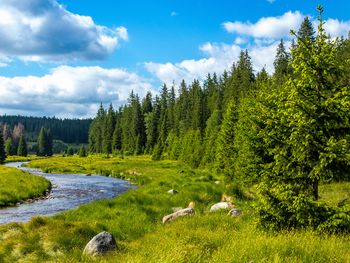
(44, 30)
(267, 27)
(69, 91)
(219, 57)
(123, 33)
(337, 28)
(241, 41)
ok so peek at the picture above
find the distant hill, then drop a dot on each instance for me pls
(67, 130)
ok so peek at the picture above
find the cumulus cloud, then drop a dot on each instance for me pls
(337, 28)
(260, 39)
(267, 27)
(69, 91)
(44, 30)
(219, 57)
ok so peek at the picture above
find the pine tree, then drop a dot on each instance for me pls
(44, 143)
(70, 151)
(226, 153)
(306, 139)
(108, 129)
(22, 147)
(82, 151)
(306, 31)
(281, 63)
(9, 147)
(41, 142)
(2, 148)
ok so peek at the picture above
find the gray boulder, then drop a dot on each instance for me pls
(175, 209)
(172, 191)
(183, 212)
(100, 244)
(220, 206)
(235, 212)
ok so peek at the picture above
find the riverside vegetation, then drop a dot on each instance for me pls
(17, 186)
(279, 145)
(135, 219)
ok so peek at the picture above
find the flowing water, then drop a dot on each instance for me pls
(68, 191)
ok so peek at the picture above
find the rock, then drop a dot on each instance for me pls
(175, 209)
(88, 174)
(191, 204)
(235, 212)
(183, 212)
(100, 244)
(172, 191)
(220, 206)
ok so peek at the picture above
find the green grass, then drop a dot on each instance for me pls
(16, 158)
(16, 186)
(134, 218)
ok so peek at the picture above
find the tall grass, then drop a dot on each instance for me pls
(134, 218)
(16, 185)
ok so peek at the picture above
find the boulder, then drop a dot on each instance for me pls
(235, 212)
(175, 209)
(183, 212)
(172, 191)
(100, 244)
(191, 204)
(220, 206)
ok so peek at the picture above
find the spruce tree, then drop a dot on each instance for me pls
(22, 147)
(108, 129)
(41, 142)
(82, 151)
(304, 138)
(306, 31)
(9, 147)
(226, 154)
(44, 143)
(2, 148)
(281, 63)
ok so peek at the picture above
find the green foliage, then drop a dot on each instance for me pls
(22, 147)
(70, 151)
(10, 147)
(302, 130)
(82, 151)
(134, 219)
(2, 148)
(44, 143)
(16, 186)
(226, 153)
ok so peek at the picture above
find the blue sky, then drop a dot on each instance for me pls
(61, 58)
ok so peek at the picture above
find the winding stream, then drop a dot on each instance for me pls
(68, 191)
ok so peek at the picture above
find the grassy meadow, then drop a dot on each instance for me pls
(16, 186)
(135, 219)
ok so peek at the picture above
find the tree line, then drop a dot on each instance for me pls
(66, 130)
(284, 133)
(14, 142)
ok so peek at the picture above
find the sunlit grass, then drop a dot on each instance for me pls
(16, 185)
(134, 218)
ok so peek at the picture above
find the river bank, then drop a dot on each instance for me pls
(135, 220)
(68, 191)
(17, 186)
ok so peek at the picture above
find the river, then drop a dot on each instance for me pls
(68, 191)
